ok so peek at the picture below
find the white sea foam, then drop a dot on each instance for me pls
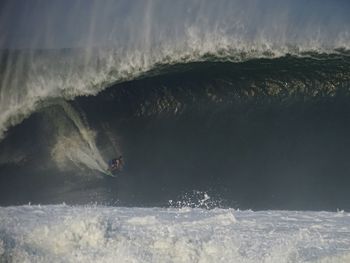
(114, 234)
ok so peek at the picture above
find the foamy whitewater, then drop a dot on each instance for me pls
(114, 234)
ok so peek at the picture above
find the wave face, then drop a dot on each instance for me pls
(247, 101)
(264, 133)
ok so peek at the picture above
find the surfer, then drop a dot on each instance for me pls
(116, 165)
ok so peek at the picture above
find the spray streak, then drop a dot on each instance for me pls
(76, 144)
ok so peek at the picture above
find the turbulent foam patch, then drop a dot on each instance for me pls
(112, 234)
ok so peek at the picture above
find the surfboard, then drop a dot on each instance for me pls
(109, 173)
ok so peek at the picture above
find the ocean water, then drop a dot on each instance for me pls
(232, 117)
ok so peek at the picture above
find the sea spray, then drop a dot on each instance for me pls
(75, 141)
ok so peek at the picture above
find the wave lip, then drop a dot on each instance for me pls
(122, 40)
(33, 80)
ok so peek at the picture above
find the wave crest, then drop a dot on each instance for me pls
(33, 79)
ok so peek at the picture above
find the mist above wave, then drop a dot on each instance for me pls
(116, 41)
(142, 24)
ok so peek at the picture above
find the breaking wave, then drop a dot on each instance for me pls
(33, 80)
(236, 116)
